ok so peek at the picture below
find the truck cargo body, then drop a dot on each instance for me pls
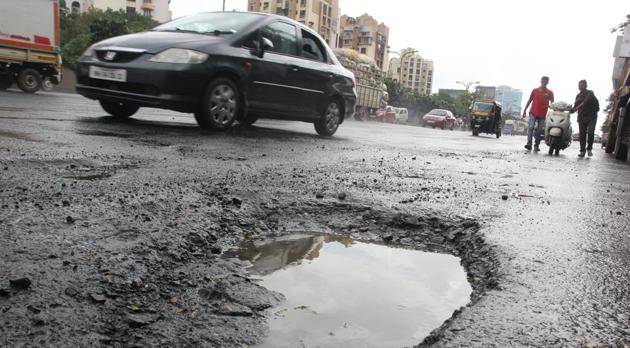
(371, 91)
(29, 44)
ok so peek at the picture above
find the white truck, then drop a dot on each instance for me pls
(29, 44)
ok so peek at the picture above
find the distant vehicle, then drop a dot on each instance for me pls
(439, 118)
(576, 137)
(29, 45)
(485, 117)
(402, 115)
(371, 90)
(597, 139)
(387, 115)
(223, 67)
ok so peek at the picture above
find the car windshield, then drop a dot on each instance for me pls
(437, 112)
(211, 23)
(482, 107)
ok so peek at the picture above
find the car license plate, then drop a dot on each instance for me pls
(119, 75)
(430, 121)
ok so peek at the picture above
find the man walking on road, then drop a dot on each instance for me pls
(587, 106)
(540, 98)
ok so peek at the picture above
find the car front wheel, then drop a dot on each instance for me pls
(329, 121)
(120, 111)
(221, 105)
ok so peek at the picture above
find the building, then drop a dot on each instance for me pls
(367, 36)
(158, 9)
(510, 99)
(319, 15)
(416, 73)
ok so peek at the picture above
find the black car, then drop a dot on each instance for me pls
(223, 67)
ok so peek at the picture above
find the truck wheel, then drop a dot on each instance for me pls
(221, 106)
(5, 82)
(29, 80)
(328, 123)
(120, 111)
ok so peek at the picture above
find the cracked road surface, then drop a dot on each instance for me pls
(110, 233)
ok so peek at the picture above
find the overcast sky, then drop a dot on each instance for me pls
(496, 42)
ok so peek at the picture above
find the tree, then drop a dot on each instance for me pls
(79, 31)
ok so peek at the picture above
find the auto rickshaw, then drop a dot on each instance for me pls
(485, 117)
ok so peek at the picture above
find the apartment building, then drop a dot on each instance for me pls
(158, 9)
(319, 15)
(367, 36)
(510, 99)
(416, 72)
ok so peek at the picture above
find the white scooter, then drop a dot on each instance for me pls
(558, 128)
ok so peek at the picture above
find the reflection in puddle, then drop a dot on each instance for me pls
(342, 293)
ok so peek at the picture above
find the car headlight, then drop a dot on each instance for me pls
(180, 56)
(89, 52)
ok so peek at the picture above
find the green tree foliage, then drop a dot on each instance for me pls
(79, 31)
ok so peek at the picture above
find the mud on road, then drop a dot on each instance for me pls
(118, 258)
(112, 234)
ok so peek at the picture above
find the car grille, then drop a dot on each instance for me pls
(129, 87)
(120, 57)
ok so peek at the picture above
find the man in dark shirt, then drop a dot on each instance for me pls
(587, 106)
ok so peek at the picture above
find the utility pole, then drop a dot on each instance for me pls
(402, 58)
(224, 5)
(467, 85)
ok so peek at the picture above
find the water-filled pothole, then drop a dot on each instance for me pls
(344, 293)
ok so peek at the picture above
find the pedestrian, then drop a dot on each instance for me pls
(540, 98)
(587, 106)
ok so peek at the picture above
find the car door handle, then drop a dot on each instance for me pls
(294, 68)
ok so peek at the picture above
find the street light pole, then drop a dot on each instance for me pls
(224, 5)
(468, 84)
(402, 59)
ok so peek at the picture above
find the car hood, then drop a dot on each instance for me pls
(157, 41)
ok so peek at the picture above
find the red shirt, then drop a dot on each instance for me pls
(540, 102)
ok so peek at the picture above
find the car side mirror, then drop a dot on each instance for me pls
(264, 44)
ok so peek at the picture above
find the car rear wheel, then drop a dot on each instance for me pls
(29, 80)
(120, 111)
(329, 121)
(221, 105)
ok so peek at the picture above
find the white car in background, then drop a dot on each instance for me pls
(402, 115)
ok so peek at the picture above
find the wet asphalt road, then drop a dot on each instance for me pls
(561, 237)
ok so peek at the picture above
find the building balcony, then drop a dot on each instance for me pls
(148, 6)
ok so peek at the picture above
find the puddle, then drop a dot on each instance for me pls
(343, 293)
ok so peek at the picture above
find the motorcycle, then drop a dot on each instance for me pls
(558, 128)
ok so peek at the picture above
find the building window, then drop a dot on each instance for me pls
(265, 5)
(75, 8)
(146, 12)
(303, 3)
(131, 9)
(302, 13)
(363, 50)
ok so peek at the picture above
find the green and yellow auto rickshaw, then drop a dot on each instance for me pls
(485, 117)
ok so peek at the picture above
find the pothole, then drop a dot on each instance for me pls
(102, 133)
(346, 293)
